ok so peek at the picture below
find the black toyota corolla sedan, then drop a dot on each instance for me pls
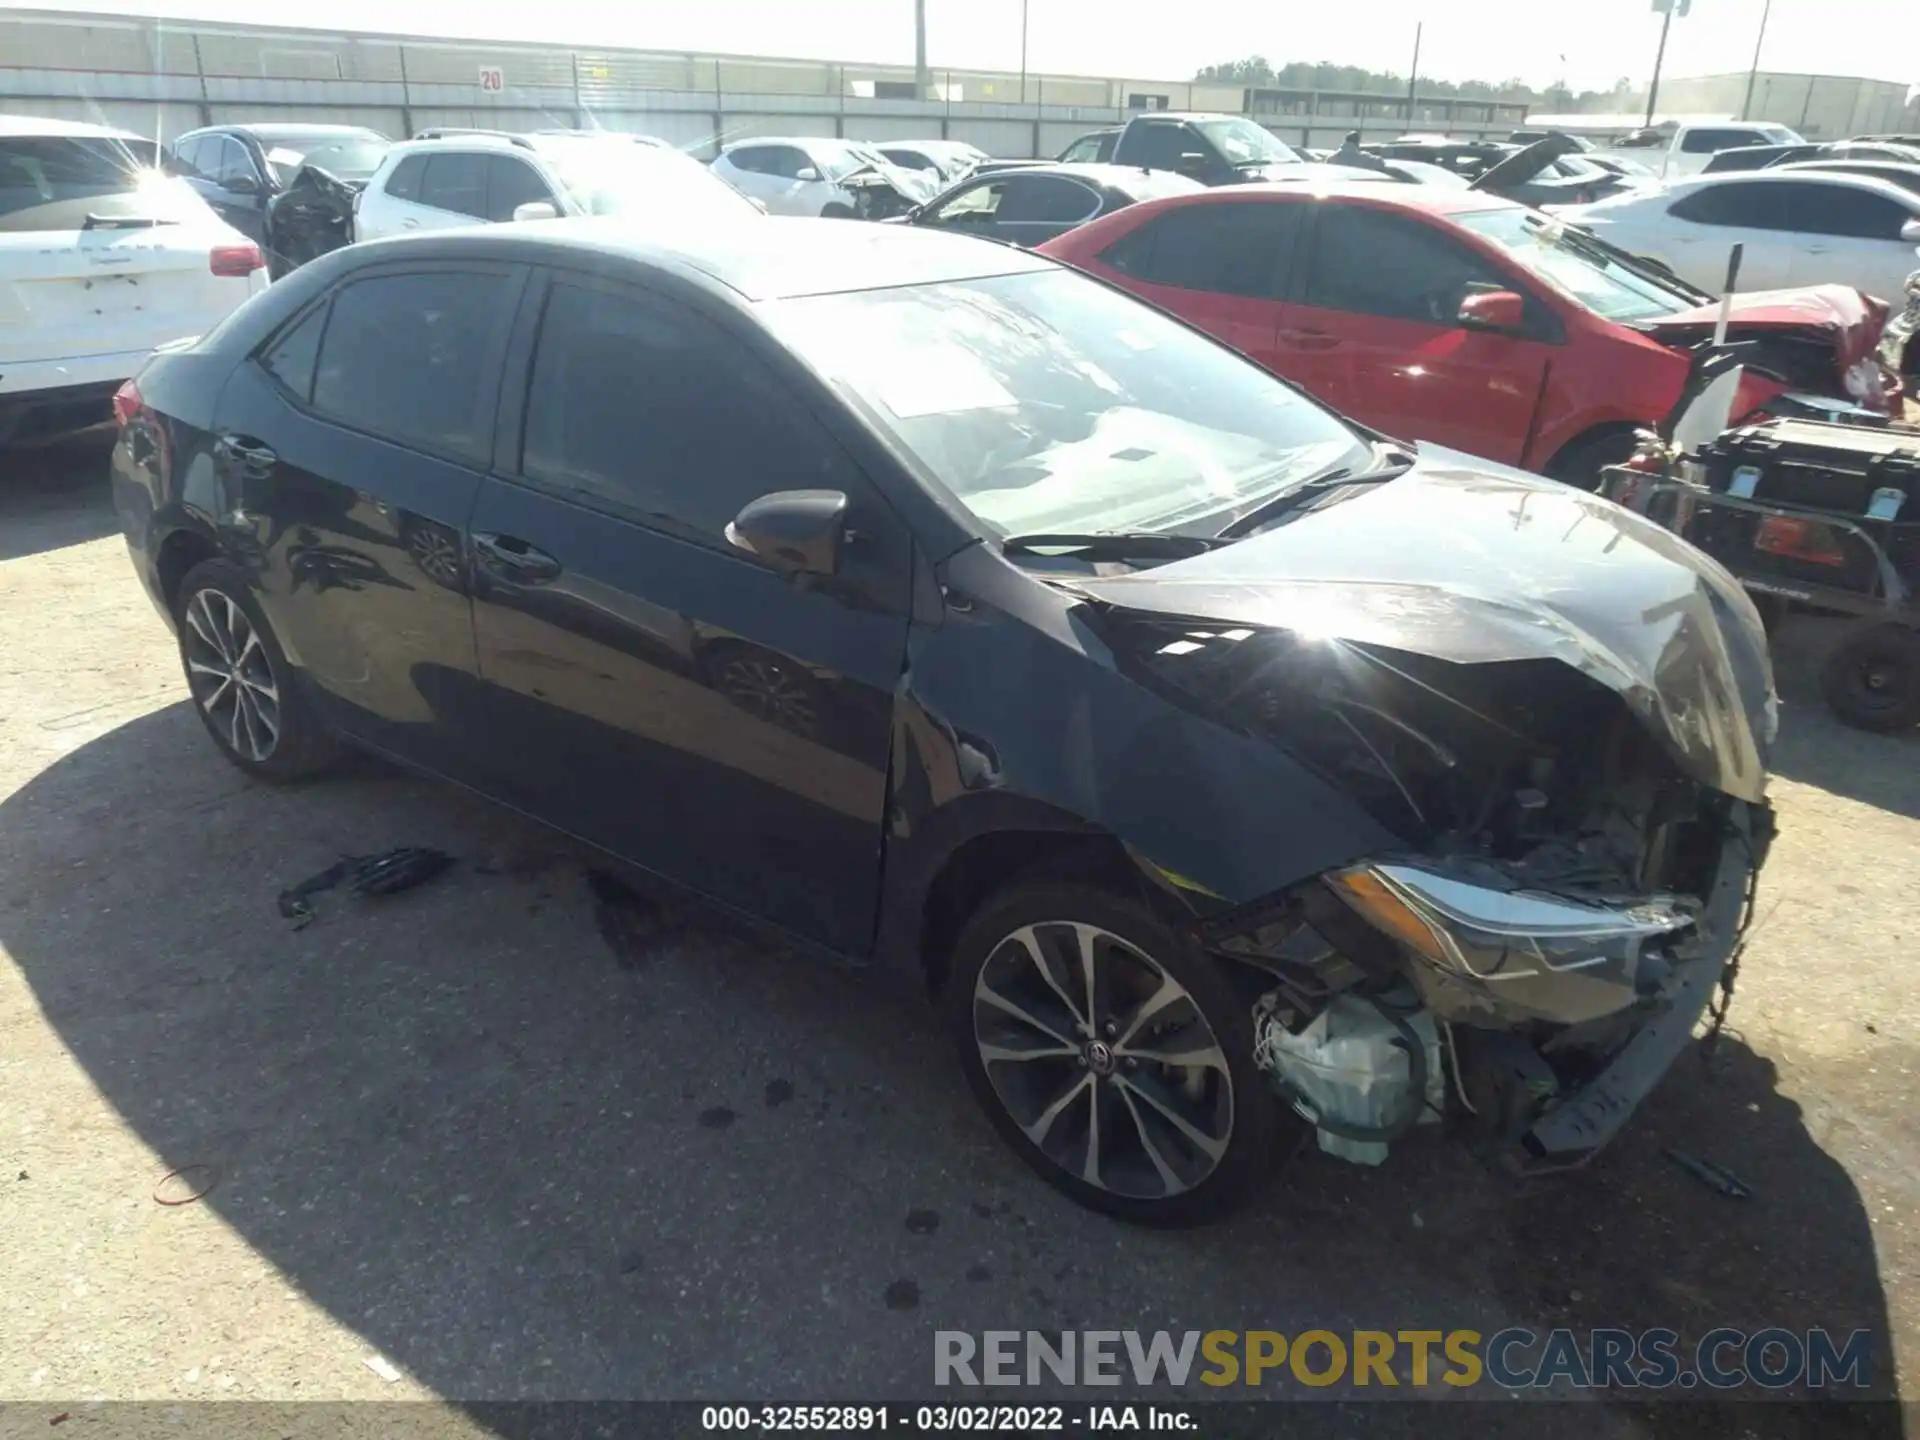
(1209, 757)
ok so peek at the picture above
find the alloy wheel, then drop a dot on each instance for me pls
(767, 692)
(436, 554)
(1103, 1060)
(230, 675)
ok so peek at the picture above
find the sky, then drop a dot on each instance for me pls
(1586, 45)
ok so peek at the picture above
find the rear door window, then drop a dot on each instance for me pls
(415, 358)
(1228, 248)
(1370, 262)
(1047, 199)
(1749, 205)
(456, 181)
(1705, 142)
(292, 355)
(53, 182)
(404, 182)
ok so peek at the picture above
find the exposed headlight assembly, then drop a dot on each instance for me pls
(1499, 936)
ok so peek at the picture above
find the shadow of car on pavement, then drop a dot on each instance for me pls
(525, 1168)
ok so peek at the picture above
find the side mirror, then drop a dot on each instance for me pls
(793, 530)
(240, 185)
(1910, 232)
(536, 210)
(1492, 310)
(1191, 163)
(807, 173)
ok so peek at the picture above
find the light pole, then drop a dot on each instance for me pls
(1754, 73)
(1413, 76)
(1668, 8)
(1023, 52)
(920, 49)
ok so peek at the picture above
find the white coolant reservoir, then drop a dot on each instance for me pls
(1352, 1067)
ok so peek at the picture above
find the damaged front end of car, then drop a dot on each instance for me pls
(1573, 770)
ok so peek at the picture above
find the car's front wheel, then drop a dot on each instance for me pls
(242, 685)
(1111, 1054)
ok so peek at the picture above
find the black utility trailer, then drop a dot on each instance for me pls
(1815, 516)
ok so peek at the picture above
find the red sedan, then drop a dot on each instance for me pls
(1467, 320)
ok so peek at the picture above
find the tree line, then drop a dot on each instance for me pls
(1299, 75)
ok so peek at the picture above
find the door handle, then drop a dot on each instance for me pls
(519, 560)
(1310, 339)
(409, 224)
(245, 451)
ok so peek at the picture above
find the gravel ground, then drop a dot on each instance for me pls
(521, 1146)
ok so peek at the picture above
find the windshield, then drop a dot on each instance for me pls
(1048, 403)
(1581, 268)
(617, 177)
(347, 157)
(1244, 143)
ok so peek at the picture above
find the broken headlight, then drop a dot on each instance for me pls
(1497, 935)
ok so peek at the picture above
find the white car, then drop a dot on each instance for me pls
(480, 177)
(807, 174)
(1797, 227)
(103, 259)
(1688, 149)
(949, 160)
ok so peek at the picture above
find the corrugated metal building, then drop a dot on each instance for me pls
(1820, 107)
(169, 76)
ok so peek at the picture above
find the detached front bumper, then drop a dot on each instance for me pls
(1580, 1123)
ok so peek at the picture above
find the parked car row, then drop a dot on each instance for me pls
(1208, 757)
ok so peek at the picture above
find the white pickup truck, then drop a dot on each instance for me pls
(102, 259)
(1687, 149)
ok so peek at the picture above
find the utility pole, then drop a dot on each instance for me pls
(1754, 73)
(1023, 52)
(920, 78)
(1667, 8)
(1413, 76)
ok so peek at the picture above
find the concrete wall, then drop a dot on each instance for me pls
(165, 77)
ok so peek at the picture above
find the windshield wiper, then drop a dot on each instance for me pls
(1116, 544)
(1388, 462)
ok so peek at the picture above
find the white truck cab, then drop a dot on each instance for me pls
(1685, 150)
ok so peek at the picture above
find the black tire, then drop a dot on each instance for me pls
(1872, 679)
(1580, 464)
(299, 744)
(1121, 1086)
(838, 212)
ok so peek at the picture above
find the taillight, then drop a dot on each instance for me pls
(236, 261)
(1793, 538)
(127, 403)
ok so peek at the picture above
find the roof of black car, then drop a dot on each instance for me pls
(764, 257)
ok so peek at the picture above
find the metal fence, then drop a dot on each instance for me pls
(161, 77)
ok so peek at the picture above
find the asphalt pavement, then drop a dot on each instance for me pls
(503, 1137)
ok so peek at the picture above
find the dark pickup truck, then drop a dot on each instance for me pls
(1213, 149)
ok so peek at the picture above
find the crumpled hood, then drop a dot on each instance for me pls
(1852, 320)
(1470, 562)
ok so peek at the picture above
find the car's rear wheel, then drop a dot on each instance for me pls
(1111, 1054)
(1872, 679)
(242, 686)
